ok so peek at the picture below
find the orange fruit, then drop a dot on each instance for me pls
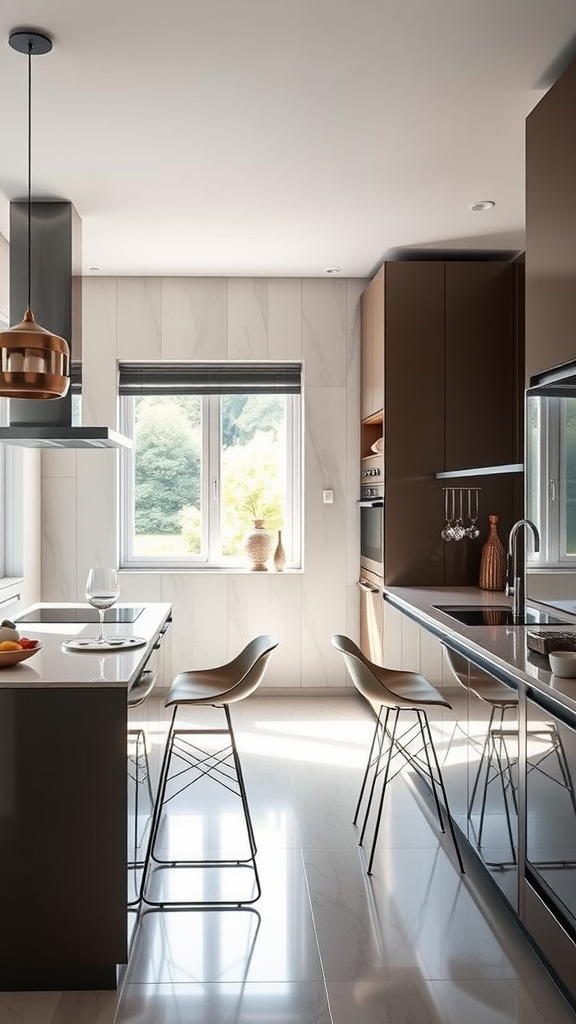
(10, 645)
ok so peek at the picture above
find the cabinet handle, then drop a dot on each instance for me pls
(552, 490)
(368, 587)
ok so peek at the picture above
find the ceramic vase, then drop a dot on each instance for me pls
(279, 554)
(493, 560)
(257, 544)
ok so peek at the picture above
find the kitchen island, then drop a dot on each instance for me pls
(63, 802)
(517, 807)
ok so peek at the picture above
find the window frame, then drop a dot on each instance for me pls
(211, 559)
(545, 492)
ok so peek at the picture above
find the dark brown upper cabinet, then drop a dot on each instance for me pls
(451, 375)
(551, 228)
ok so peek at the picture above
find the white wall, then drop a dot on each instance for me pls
(215, 613)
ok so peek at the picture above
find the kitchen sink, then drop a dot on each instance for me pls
(498, 615)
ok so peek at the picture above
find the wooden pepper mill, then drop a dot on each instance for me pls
(493, 560)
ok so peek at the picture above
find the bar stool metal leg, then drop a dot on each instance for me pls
(194, 755)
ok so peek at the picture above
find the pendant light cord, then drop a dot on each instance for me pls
(30, 48)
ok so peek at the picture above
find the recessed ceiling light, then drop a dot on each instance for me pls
(333, 270)
(482, 204)
(94, 269)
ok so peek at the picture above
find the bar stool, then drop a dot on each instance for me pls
(185, 763)
(138, 764)
(394, 693)
(497, 759)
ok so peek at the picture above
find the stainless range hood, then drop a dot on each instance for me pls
(56, 289)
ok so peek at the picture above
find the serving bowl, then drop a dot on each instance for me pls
(563, 663)
(9, 658)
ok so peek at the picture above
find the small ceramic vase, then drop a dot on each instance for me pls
(257, 544)
(279, 554)
(493, 560)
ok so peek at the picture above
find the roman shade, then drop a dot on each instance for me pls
(202, 378)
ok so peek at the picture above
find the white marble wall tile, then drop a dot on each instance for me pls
(96, 516)
(139, 318)
(324, 326)
(59, 463)
(59, 543)
(247, 318)
(200, 619)
(268, 603)
(285, 318)
(194, 318)
(354, 289)
(24, 559)
(99, 372)
(141, 586)
(135, 588)
(324, 586)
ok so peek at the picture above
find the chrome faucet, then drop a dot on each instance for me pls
(516, 583)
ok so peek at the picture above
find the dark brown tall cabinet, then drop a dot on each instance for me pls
(449, 379)
(550, 227)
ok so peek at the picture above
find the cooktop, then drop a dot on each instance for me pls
(82, 614)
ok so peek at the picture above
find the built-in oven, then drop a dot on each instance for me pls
(371, 505)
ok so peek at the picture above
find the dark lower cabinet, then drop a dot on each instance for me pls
(550, 829)
(510, 771)
(63, 812)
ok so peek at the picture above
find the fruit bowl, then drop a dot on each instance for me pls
(9, 658)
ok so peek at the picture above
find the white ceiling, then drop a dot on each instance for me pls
(253, 137)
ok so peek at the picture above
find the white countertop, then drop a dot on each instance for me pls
(503, 646)
(57, 667)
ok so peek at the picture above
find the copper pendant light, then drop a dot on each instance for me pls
(34, 363)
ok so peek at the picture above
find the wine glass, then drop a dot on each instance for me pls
(102, 591)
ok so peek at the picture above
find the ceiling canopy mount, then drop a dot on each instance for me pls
(28, 41)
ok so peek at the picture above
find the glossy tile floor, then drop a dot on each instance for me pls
(416, 943)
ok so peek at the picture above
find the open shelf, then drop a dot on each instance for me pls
(458, 474)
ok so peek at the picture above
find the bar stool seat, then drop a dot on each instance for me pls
(395, 692)
(186, 763)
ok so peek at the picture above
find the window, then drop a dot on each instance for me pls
(216, 445)
(551, 477)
